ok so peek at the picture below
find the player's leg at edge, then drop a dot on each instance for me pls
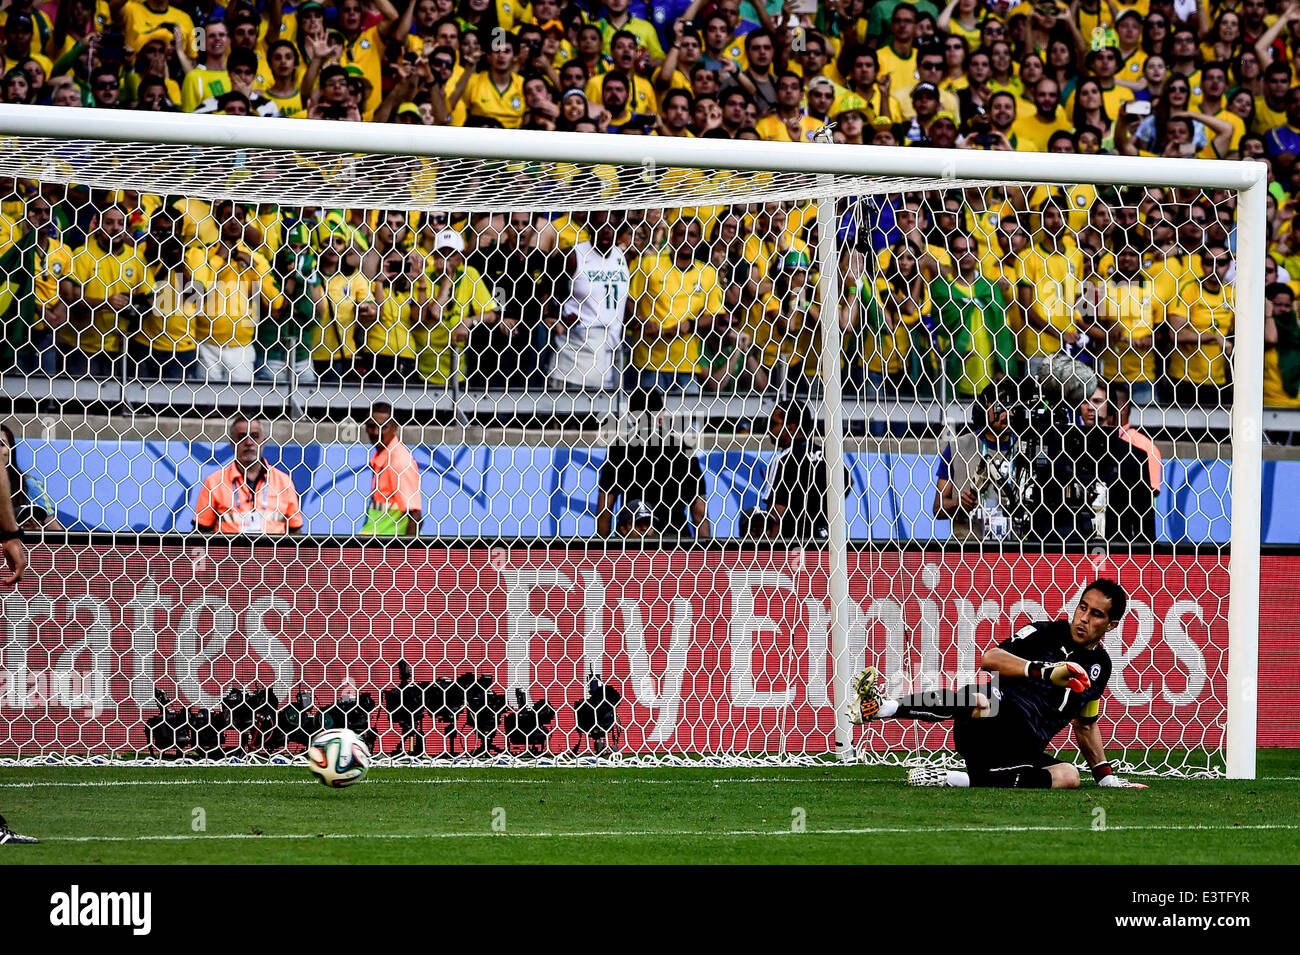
(870, 704)
(10, 838)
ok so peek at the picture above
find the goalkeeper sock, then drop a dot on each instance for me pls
(1015, 778)
(933, 706)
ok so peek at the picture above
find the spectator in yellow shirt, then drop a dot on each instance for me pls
(337, 309)
(677, 296)
(642, 98)
(1281, 342)
(1120, 311)
(1001, 129)
(139, 19)
(874, 88)
(152, 62)
(165, 346)
(209, 76)
(498, 92)
(1104, 64)
(459, 300)
(114, 286)
(364, 46)
(885, 322)
(791, 122)
(236, 284)
(617, 19)
(283, 89)
(1048, 288)
(1048, 117)
(18, 32)
(898, 58)
(400, 293)
(1202, 320)
(36, 269)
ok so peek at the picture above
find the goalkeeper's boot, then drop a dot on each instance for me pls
(866, 697)
(927, 776)
(10, 838)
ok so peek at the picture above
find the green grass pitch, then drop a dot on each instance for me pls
(459, 814)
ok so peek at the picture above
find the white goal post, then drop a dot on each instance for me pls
(451, 170)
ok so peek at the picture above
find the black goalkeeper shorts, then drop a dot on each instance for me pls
(997, 743)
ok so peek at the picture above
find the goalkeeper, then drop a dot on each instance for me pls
(1049, 674)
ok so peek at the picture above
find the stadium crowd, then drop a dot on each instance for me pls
(944, 292)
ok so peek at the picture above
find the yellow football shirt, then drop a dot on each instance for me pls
(1129, 305)
(884, 349)
(336, 318)
(1054, 278)
(1205, 311)
(391, 332)
(367, 52)
(199, 84)
(103, 274)
(234, 295)
(469, 297)
(670, 296)
(139, 20)
(504, 104)
(51, 267)
(169, 325)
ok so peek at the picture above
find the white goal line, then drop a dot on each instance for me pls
(653, 833)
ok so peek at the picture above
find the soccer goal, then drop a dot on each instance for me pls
(521, 446)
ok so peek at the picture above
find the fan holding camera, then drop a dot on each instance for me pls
(1171, 129)
(991, 128)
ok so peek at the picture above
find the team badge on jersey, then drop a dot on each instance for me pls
(515, 103)
(1095, 671)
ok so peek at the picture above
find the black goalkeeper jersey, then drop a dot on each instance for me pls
(1046, 709)
(666, 476)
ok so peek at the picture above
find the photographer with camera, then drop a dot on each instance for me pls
(1075, 478)
(1042, 462)
(975, 469)
(797, 483)
(654, 469)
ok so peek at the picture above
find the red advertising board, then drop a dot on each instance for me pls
(712, 650)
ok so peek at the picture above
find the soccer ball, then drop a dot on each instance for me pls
(338, 758)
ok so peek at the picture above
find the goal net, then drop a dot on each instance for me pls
(542, 447)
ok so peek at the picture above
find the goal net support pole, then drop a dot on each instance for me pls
(833, 436)
(1247, 480)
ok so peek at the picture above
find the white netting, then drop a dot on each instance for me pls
(568, 401)
(369, 181)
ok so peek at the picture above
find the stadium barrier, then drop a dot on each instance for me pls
(713, 651)
(503, 491)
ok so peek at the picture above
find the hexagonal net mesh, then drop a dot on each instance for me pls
(529, 461)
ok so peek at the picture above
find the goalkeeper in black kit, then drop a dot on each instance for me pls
(1048, 674)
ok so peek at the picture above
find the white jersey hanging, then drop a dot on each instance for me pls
(593, 317)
